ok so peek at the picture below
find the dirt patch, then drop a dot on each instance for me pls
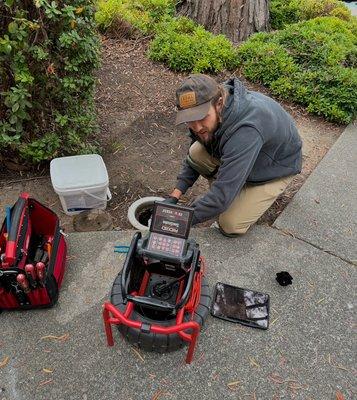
(142, 148)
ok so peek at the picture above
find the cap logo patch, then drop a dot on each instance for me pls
(187, 100)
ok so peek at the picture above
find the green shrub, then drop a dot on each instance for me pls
(266, 62)
(108, 11)
(312, 63)
(317, 43)
(309, 9)
(330, 92)
(48, 52)
(141, 14)
(285, 12)
(184, 46)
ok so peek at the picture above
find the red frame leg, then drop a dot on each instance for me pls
(107, 326)
(112, 316)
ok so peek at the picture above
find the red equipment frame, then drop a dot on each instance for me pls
(113, 316)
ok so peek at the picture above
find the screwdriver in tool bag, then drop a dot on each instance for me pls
(41, 272)
(31, 274)
(23, 282)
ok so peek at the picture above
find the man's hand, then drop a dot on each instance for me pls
(173, 198)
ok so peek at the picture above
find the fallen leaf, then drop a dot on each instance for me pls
(276, 378)
(253, 362)
(233, 385)
(333, 364)
(4, 362)
(339, 396)
(158, 394)
(58, 338)
(45, 382)
(138, 354)
(48, 371)
(294, 385)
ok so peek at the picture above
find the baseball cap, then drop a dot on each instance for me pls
(193, 98)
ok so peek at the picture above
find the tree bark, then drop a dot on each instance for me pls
(237, 19)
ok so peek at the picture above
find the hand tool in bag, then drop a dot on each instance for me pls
(19, 235)
(45, 257)
(41, 273)
(31, 274)
(48, 246)
(32, 277)
(23, 283)
(43, 250)
(39, 250)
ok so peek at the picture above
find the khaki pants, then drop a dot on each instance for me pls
(249, 205)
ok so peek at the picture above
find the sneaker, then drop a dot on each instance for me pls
(215, 225)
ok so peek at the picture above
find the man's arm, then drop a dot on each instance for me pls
(185, 179)
(239, 155)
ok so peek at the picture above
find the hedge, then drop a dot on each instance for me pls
(285, 12)
(48, 54)
(312, 63)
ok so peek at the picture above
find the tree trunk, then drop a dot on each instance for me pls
(237, 19)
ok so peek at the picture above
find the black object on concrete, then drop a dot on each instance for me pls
(244, 306)
(284, 278)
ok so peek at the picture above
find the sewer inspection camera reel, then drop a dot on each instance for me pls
(161, 298)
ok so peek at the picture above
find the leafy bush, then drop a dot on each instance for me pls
(285, 12)
(108, 11)
(185, 46)
(48, 52)
(312, 63)
(329, 92)
(317, 43)
(257, 60)
(141, 14)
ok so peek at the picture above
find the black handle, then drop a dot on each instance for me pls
(16, 214)
(152, 303)
(127, 265)
(195, 260)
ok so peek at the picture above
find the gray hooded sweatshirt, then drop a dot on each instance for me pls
(256, 142)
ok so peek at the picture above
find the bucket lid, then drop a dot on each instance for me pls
(76, 172)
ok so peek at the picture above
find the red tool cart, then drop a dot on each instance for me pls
(32, 256)
(161, 299)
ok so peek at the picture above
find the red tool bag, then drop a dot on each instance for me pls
(32, 256)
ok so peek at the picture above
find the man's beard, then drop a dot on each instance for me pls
(205, 142)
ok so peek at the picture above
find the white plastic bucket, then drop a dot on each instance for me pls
(81, 182)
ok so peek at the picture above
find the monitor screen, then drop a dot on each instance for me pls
(172, 220)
